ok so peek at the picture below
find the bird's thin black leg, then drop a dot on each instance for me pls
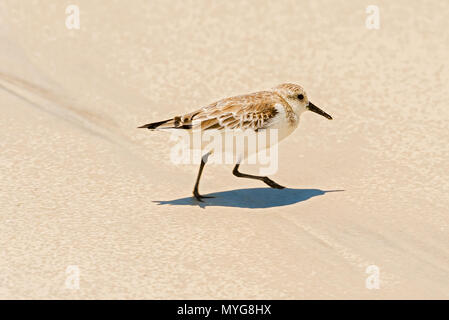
(267, 180)
(195, 189)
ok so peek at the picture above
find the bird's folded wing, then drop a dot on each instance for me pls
(253, 111)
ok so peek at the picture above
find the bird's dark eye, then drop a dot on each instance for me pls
(300, 96)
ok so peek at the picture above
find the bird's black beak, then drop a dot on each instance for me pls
(315, 109)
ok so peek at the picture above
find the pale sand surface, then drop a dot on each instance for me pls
(80, 184)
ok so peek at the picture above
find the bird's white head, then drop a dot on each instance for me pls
(297, 98)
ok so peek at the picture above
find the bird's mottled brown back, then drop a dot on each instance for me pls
(251, 111)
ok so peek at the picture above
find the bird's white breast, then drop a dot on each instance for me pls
(285, 123)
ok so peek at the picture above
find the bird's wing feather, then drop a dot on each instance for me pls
(253, 111)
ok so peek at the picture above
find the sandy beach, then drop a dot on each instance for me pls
(83, 189)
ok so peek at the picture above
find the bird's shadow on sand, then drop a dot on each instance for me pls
(254, 198)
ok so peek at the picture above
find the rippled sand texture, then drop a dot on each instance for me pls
(81, 186)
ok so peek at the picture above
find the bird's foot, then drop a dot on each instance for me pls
(199, 197)
(272, 184)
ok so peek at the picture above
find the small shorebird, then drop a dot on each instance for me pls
(279, 108)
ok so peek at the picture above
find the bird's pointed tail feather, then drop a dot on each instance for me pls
(155, 125)
(173, 123)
